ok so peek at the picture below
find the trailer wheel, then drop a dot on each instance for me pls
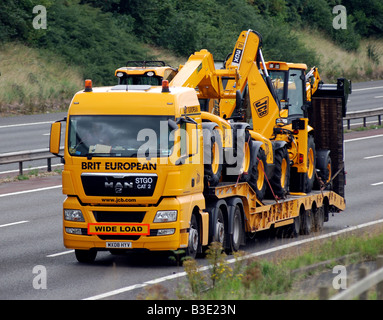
(318, 219)
(213, 156)
(289, 231)
(85, 256)
(194, 239)
(281, 177)
(236, 236)
(306, 221)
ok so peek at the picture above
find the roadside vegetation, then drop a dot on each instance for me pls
(278, 277)
(42, 69)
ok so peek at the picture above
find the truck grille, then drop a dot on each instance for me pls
(119, 216)
(119, 184)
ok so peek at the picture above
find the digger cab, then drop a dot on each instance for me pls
(145, 73)
(290, 86)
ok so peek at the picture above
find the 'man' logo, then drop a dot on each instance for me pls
(262, 107)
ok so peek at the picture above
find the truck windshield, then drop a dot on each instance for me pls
(120, 136)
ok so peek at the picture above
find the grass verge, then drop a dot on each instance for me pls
(35, 81)
(273, 278)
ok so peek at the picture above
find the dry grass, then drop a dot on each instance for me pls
(34, 80)
(364, 64)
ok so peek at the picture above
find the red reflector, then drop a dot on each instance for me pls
(165, 86)
(88, 85)
(300, 158)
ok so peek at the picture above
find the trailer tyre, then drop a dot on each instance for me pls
(306, 221)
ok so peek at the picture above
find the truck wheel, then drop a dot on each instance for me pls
(193, 242)
(85, 256)
(281, 177)
(311, 162)
(219, 228)
(213, 157)
(236, 236)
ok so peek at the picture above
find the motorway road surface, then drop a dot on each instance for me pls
(31, 236)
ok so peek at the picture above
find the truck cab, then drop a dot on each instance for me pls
(130, 178)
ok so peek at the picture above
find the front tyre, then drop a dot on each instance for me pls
(194, 238)
(85, 256)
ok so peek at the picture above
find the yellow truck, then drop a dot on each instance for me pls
(146, 168)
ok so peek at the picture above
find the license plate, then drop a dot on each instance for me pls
(118, 245)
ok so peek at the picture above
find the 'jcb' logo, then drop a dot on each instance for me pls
(262, 107)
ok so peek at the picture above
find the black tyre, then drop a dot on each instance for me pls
(213, 157)
(311, 163)
(289, 231)
(318, 219)
(256, 175)
(194, 238)
(281, 177)
(235, 238)
(324, 171)
(219, 228)
(85, 256)
(306, 222)
(241, 161)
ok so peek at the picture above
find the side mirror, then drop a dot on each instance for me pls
(55, 138)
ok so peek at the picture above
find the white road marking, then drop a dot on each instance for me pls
(13, 223)
(378, 97)
(25, 124)
(255, 254)
(364, 138)
(373, 157)
(29, 191)
(364, 89)
(59, 254)
(377, 184)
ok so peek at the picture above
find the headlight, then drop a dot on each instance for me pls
(165, 216)
(73, 215)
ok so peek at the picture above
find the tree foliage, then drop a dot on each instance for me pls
(101, 35)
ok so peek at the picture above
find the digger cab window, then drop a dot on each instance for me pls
(295, 92)
(144, 79)
(288, 86)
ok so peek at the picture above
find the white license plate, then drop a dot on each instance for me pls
(118, 245)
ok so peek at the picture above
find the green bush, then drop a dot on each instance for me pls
(91, 38)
